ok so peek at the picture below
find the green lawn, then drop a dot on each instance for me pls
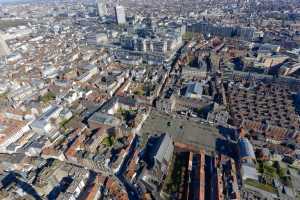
(126, 115)
(3, 95)
(266, 169)
(261, 186)
(270, 171)
(274, 170)
(143, 140)
(187, 36)
(12, 23)
(139, 92)
(108, 141)
(63, 123)
(47, 97)
(174, 178)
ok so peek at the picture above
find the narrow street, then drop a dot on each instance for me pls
(131, 190)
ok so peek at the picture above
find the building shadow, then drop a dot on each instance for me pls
(227, 148)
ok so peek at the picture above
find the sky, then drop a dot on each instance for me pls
(10, 1)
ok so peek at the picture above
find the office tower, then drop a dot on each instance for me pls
(159, 46)
(4, 50)
(127, 42)
(102, 10)
(246, 33)
(141, 45)
(120, 14)
(92, 11)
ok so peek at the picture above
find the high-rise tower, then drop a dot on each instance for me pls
(4, 50)
(102, 10)
(120, 14)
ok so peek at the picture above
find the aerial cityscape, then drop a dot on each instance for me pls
(149, 100)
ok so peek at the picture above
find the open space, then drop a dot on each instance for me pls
(182, 130)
